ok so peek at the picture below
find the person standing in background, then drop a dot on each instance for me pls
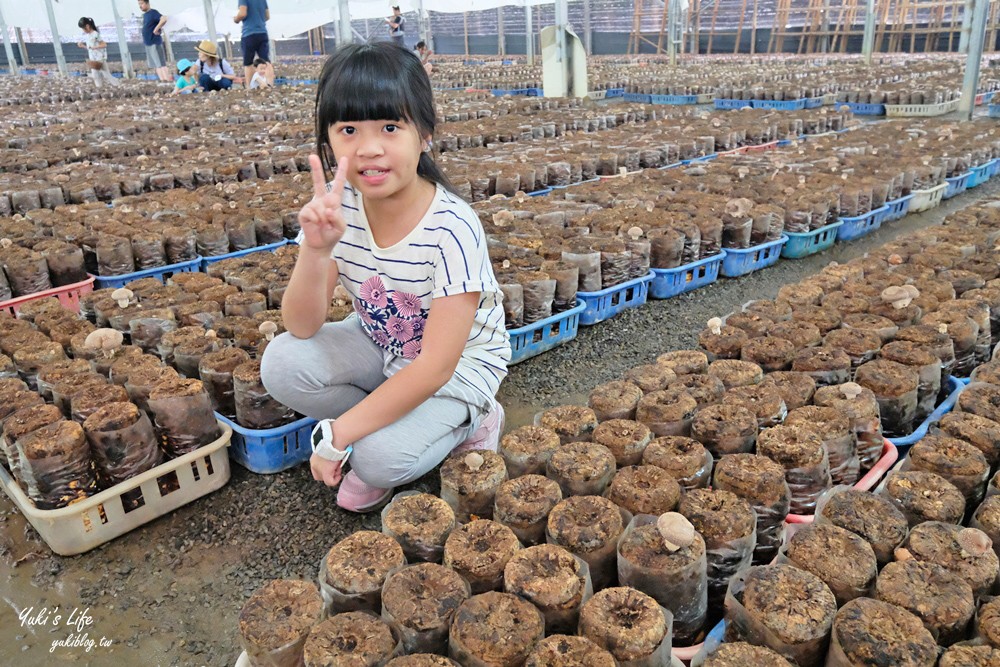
(152, 37)
(395, 23)
(254, 15)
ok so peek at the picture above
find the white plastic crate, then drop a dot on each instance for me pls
(90, 523)
(597, 94)
(920, 110)
(706, 98)
(925, 200)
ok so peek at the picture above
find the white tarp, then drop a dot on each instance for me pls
(288, 17)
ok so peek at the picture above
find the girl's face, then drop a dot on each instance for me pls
(87, 29)
(382, 155)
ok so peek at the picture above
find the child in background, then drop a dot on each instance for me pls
(97, 53)
(259, 79)
(187, 82)
(412, 375)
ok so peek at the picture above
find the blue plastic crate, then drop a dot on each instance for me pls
(994, 167)
(980, 174)
(810, 243)
(607, 303)
(957, 185)
(862, 109)
(860, 225)
(814, 102)
(271, 450)
(161, 273)
(994, 111)
(615, 92)
(674, 99)
(500, 92)
(270, 247)
(784, 142)
(780, 105)
(637, 97)
(533, 339)
(898, 208)
(731, 104)
(533, 92)
(672, 282)
(740, 262)
(903, 443)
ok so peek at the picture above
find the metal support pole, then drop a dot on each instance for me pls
(11, 60)
(562, 19)
(868, 46)
(501, 40)
(168, 48)
(422, 23)
(587, 37)
(529, 33)
(673, 24)
(977, 38)
(344, 35)
(465, 30)
(274, 52)
(122, 43)
(963, 38)
(22, 47)
(60, 57)
(825, 26)
(210, 20)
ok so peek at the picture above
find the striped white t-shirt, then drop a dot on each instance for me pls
(393, 289)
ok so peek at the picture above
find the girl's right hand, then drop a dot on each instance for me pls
(322, 220)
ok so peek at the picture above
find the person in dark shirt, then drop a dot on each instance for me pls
(395, 23)
(254, 14)
(152, 37)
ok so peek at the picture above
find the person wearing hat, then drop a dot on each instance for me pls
(187, 82)
(395, 23)
(255, 44)
(152, 37)
(214, 73)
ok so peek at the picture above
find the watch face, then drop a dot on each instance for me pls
(317, 437)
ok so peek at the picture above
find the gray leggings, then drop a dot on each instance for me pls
(326, 375)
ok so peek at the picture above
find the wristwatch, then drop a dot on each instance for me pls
(322, 443)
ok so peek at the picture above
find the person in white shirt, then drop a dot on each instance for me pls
(413, 374)
(260, 78)
(97, 53)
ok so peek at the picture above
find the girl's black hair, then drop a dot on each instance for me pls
(377, 81)
(85, 22)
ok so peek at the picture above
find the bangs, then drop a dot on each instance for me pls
(367, 86)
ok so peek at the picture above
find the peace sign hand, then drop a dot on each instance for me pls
(321, 220)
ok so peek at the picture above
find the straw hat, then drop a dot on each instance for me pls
(208, 47)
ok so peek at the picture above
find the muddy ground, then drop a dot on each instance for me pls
(169, 593)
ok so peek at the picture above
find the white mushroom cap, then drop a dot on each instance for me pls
(474, 460)
(104, 339)
(850, 390)
(122, 295)
(634, 232)
(268, 328)
(715, 325)
(974, 541)
(6, 243)
(898, 296)
(676, 530)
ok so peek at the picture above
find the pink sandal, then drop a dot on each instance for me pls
(356, 496)
(487, 436)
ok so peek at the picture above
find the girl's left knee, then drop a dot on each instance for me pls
(383, 463)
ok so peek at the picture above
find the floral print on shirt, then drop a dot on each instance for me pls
(394, 320)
